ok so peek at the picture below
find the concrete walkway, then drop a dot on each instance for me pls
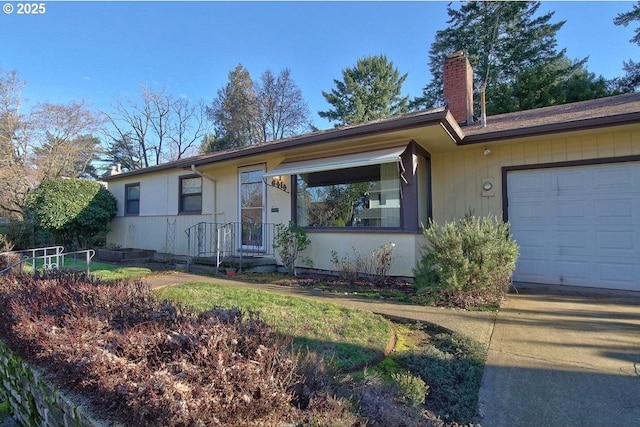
(558, 357)
(563, 357)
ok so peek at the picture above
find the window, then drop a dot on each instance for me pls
(132, 199)
(190, 194)
(252, 207)
(365, 196)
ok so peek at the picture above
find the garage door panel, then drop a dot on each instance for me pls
(533, 270)
(530, 184)
(617, 179)
(615, 208)
(571, 209)
(532, 242)
(580, 227)
(575, 272)
(530, 211)
(569, 182)
(621, 274)
(619, 242)
(576, 240)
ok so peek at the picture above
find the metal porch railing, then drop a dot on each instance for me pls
(232, 240)
(52, 257)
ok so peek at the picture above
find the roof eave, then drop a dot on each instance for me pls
(432, 117)
(572, 126)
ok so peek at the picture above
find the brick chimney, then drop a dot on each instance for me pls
(457, 80)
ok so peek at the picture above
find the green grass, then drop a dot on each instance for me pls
(352, 338)
(111, 272)
(100, 270)
(451, 364)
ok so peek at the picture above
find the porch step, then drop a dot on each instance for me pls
(248, 264)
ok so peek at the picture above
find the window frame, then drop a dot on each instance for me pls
(127, 199)
(363, 229)
(410, 193)
(181, 196)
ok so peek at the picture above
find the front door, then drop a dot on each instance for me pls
(252, 208)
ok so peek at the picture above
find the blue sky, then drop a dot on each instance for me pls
(102, 51)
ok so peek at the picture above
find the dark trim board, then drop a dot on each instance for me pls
(552, 165)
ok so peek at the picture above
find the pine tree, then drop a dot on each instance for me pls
(513, 52)
(631, 80)
(234, 110)
(370, 90)
(247, 113)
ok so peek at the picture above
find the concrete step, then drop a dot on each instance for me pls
(247, 264)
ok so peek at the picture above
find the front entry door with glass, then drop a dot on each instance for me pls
(252, 208)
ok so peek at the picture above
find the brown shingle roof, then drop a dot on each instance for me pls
(613, 110)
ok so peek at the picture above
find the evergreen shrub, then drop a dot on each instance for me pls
(467, 263)
(75, 211)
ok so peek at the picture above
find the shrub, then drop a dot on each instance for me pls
(149, 362)
(467, 263)
(24, 235)
(411, 389)
(73, 210)
(375, 267)
(290, 241)
(452, 365)
(7, 259)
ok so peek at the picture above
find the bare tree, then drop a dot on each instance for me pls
(15, 173)
(283, 111)
(50, 141)
(188, 127)
(142, 123)
(64, 145)
(154, 129)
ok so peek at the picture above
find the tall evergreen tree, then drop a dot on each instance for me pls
(513, 52)
(234, 110)
(630, 82)
(246, 113)
(370, 90)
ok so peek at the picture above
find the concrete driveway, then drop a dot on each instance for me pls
(563, 357)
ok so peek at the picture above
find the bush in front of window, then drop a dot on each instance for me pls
(289, 242)
(467, 263)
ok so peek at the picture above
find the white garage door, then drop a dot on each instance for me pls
(577, 225)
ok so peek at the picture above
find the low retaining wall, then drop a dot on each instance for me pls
(33, 401)
(124, 254)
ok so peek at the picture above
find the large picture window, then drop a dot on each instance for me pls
(365, 196)
(132, 199)
(190, 194)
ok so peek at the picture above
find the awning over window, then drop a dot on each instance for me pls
(388, 155)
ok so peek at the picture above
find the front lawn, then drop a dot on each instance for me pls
(352, 338)
(449, 363)
(446, 366)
